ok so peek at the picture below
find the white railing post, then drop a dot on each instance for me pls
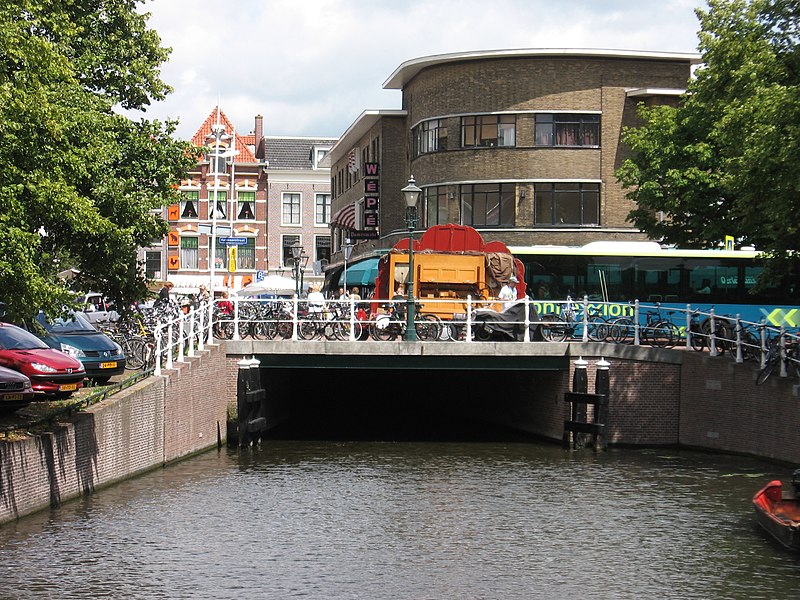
(527, 337)
(295, 302)
(782, 342)
(170, 333)
(636, 339)
(210, 321)
(712, 339)
(181, 336)
(201, 332)
(688, 326)
(236, 318)
(352, 307)
(468, 337)
(762, 330)
(585, 303)
(157, 357)
(192, 316)
(739, 356)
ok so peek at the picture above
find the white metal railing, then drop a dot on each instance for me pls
(581, 320)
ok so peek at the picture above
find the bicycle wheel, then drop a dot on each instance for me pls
(428, 327)
(134, 349)
(382, 329)
(553, 329)
(306, 329)
(698, 340)
(621, 331)
(598, 329)
(770, 362)
(663, 334)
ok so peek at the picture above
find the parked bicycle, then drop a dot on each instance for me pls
(560, 327)
(780, 348)
(392, 324)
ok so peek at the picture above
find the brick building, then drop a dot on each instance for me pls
(270, 193)
(520, 144)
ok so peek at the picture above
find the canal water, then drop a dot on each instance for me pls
(411, 520)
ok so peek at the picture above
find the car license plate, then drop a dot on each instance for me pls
(11, 397)
(68, 387)
(108, 365)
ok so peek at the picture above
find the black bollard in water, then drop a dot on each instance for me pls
(602, 387)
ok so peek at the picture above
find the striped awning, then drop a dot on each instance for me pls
(345, 218)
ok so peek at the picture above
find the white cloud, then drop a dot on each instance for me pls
(311, 68)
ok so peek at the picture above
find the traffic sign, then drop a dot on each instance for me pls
(260, 275)
(233, 241)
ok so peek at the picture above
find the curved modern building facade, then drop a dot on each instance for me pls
(520, 144)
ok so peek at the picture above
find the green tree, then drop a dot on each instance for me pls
(724, 161)
(78, 181)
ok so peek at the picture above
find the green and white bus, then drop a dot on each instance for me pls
(620, 272)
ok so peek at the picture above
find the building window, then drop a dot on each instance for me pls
(217, 165)
(246, 255)
(290, 209)
(287, 241)
(430, 136)
(322, 209)
(436, 206)
(189, 252)
(247, 206)
(189, 204)
(488, 131)
(221, 199)
(567, 130)
(322, 248)
(487, 205)
(152, 264)
(220, 254)
(567, 203)
(318, 153)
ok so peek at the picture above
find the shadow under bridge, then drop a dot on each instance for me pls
(407, 390)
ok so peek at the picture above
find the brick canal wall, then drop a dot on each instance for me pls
(673, 398)
(152, 423)
(685, 399)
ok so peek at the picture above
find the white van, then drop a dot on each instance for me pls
(96, 308)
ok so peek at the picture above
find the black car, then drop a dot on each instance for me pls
(15, 390)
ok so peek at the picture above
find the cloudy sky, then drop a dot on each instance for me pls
(310, 67)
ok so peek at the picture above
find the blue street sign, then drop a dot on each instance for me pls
(233, 241)
(260, 275)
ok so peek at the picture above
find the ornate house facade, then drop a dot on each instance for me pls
(249, 199)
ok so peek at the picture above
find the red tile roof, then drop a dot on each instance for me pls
(199, 138)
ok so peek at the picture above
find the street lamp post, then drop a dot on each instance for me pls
(411, 193)
(347, 251)
(297, 252)
(217, 135)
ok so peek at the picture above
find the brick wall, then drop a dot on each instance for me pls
(154, 422)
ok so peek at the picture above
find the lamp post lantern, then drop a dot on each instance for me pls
(297, 252)
(411, 193)
(347, 251)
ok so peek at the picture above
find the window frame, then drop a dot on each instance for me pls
(553, 129)
(288, 200)
(476, 131)
(475, 195)
(561, 190)
(325, 206)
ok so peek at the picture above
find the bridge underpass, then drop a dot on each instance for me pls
(407, 391)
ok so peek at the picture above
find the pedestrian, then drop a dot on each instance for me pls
(508, 293)
(225, 306)
(202, 295)
(316, 299)
(163, 293)
(354, 294)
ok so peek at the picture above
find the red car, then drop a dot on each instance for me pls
(50, 371)
(15, 390)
